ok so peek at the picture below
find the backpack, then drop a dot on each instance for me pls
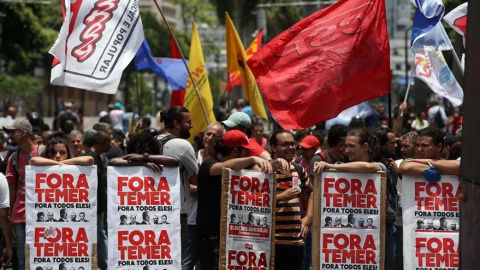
(439, 119)
(40, 150)
(163, 141)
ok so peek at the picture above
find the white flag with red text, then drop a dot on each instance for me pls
(98, 39)
(457, 19)
(431, 68)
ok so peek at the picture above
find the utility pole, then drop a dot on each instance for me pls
(469, 176)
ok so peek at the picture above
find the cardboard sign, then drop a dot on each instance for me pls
(348, 221)
(431, 223)
(247, 220)
(61, 216)
(143, 218)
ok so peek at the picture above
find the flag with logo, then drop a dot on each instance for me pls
(334, 59)
(237, 61)
(199, 73)
(178, 96)
(431, 68)
(428, 33)
(171, 70)
(235, 77)
(98, 39)
(457, 19)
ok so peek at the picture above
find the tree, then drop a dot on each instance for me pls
(25, 87)
(28, 32)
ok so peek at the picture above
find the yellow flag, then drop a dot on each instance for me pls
(237, 60)
(199, 74)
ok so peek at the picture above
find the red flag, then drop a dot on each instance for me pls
(457, 19)
(334, 59)
(178, 96)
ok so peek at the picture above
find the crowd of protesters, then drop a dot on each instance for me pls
(238, 140)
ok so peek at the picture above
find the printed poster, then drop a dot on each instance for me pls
(248, 212)
(431, 223)
(144, 218)
(61, 216)
(348, 221)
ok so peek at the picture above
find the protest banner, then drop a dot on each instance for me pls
(431, 216)
(61, 216)
(247, 220)
(349, 220)
(138, 196)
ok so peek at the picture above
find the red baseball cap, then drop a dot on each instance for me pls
(236, 138)
(309, 141)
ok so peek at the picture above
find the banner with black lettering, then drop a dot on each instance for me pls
(247, 220)
(348, 220)
(431, 216)
(143, 218)
(61, 216)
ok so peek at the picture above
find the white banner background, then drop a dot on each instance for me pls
(136, 195)
(425, 207)
(67, 197)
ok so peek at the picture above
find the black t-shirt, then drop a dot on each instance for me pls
(114, 151)
(102, 182)
(209, 192)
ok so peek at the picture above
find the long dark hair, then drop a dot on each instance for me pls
(143, 143)
(174, 113)
(57, 138)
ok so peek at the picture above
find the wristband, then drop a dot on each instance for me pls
(145, 157)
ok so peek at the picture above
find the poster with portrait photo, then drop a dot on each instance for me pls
(61, 215)
(144, 218)
(431, 222)
(348, 220)
(247, 218)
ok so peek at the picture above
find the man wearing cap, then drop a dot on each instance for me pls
(310, 145)
(234, 150)
(241, 121)
(21, 133)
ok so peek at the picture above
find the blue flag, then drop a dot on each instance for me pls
(172, 70)
(428, 33)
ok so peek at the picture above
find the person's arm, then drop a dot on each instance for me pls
(6, 226)
(40, 161)
(120, 162)
(415, 167)
(398, 123)
(308, 218)
(241, 163)
(193, 190)
(265, 155)
(167, 161)
(82, 161)
(355, 167)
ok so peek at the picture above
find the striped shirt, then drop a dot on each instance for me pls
(288, 221)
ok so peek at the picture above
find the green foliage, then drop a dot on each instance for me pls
(158, 36)
(199, 11)
(28, 30)
(25, 87)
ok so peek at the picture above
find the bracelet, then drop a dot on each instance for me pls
(429, 164)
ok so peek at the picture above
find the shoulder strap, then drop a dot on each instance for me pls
(163, 141)
(324, 156)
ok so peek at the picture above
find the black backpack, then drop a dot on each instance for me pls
(163, 141)
(40, 150)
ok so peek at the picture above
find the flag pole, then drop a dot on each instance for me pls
(137, 93)
(454, 53)
(184, 62)
(408, 85)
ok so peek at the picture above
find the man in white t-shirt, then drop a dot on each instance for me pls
(5, 222)
(116, 115)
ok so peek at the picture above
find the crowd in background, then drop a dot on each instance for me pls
(122, 138)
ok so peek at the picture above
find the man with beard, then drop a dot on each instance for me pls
(173, 143)
(289, 244)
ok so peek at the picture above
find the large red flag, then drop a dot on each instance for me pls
(178, 96)
(336, 58)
